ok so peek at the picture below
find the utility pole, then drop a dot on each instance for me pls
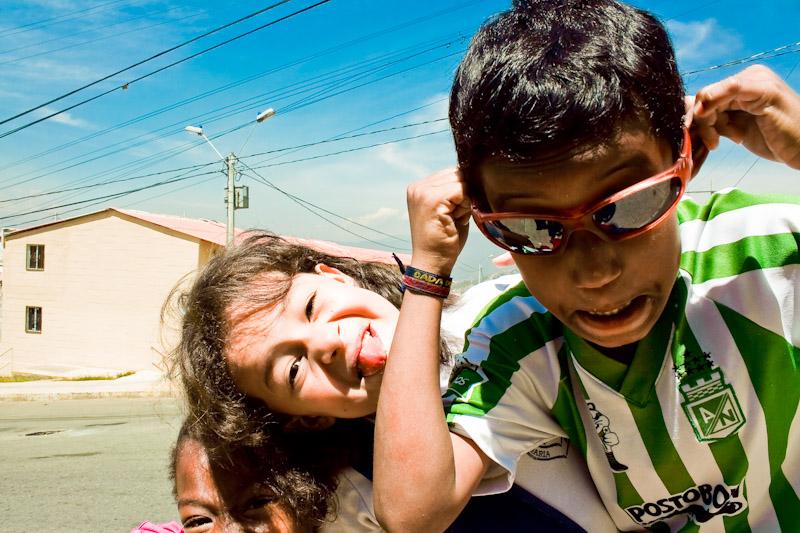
(230, 162)
(480, 272)
(235, 197)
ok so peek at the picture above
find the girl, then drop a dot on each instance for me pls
(277, 337)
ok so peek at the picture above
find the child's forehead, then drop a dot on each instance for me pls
(602, 168)
(624, 140)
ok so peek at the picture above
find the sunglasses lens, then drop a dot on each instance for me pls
(639, 209)
(526, 235)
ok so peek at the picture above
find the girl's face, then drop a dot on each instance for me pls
(315, 355)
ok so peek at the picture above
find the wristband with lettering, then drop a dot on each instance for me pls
(420, 281)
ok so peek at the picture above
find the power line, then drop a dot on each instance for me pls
(152, 57)
(111, 182)
(302, 204)
(766, 54)
(342, 138)
(53, 20)
(374, 123)
(245, 80)
(96, 39)
(298, 199)
(194, 167)
(746, 172)
(302, 102)
(353, 149)
(182, 178)
(105, 197)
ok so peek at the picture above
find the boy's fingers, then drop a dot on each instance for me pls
(709, 136)
(751, 90)
(462, 211)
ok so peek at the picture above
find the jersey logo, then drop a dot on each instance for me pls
(609, 439)
(555, 448)
(700, 503)
(463, 380)
(709, 402)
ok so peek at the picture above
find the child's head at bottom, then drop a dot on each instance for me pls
(567, 118)
(247, 489)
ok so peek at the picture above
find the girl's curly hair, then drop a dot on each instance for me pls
(213, 401)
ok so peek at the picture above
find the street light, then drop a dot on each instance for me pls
(230, 163)
(264, 115)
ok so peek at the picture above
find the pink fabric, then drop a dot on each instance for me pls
(149, 527)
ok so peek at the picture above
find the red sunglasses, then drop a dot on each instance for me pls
(623, 215)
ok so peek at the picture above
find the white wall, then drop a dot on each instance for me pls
(101, 291)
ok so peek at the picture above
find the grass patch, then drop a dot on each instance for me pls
(21, 378)
(100, 378)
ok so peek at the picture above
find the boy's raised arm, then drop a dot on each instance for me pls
(423, 474)
(755, 108)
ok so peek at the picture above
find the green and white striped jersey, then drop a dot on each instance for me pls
(701, 432)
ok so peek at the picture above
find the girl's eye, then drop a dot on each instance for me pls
(194, 522)
(293, 371)
(310, 306)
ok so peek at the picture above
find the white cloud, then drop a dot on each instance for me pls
(700, 43)
(402, 159)
(65, 118)
(382, 214)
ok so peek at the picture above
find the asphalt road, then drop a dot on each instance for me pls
(86, 465)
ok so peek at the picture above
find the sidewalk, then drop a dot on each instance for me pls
(144, 384)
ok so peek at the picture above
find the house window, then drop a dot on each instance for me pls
(35, 259)
(33, 319)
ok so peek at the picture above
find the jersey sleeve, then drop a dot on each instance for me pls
(354, 510)
(504, 384)
(741, 250)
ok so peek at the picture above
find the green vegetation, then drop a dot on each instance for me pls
(99, 378)
(19, 378)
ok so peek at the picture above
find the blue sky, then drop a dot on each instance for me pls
(347, 67)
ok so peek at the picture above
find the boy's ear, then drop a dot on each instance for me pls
(699, 149)
(308, 423)
(333, 273)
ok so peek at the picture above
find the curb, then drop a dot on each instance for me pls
(82, 395)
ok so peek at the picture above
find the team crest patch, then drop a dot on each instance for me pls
(709, 402)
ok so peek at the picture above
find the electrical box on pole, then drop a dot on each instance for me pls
(241, 197)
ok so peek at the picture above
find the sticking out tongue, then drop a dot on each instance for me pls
(372, 358)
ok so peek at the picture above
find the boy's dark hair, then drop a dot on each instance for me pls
(303, 486)
(557, 76)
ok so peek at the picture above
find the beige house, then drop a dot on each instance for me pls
(83, 296)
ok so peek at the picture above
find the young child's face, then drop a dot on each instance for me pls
(609, 293)
(212, 500)
(321, 353)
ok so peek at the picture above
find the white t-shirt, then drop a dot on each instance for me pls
(555, 472)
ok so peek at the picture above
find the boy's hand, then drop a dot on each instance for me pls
(439, 212)
(755, 108)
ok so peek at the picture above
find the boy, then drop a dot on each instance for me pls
(247, 490)
(667, 354)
